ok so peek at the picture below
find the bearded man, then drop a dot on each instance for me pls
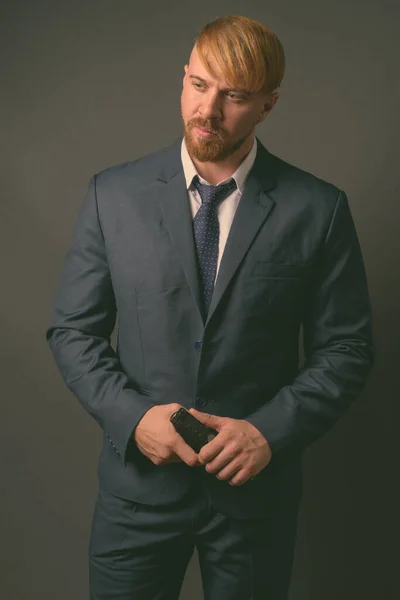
(214, 253)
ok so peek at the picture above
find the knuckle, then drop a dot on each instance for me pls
(191, 461)
(163, 456)
(202, 456)
(171, 440)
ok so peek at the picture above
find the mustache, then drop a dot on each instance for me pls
(199, 123)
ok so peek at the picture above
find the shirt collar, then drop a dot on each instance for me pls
(239, 175)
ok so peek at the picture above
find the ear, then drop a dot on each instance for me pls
(272, 99)
(186, 70)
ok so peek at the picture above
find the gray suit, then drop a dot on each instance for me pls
(292, 258)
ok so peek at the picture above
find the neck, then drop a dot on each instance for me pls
(214, 172)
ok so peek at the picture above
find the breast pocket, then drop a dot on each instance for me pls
(270, 270)
(275, 292)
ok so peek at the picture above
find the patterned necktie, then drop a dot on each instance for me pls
(206, 233)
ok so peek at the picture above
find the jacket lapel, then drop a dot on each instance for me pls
(175, 207)
(253, 209)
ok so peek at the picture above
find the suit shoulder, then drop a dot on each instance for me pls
(306, 185)
(140, 171)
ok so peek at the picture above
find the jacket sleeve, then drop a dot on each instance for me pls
(83, 319)
(337, 341)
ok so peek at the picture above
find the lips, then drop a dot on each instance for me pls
(205, 132)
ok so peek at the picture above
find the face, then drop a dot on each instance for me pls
(217, 119)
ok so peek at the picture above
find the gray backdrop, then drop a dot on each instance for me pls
(93, 83)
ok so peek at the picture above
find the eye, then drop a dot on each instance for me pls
(235, 96)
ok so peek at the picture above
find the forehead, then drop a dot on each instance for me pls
(196, 67)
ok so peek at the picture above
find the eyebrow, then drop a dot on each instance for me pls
(240, 91)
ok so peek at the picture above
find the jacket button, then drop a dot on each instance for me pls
(198, 345)
(201, 401)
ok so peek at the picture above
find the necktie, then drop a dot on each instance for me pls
(206, 233)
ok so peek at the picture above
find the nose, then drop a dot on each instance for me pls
(210, 106)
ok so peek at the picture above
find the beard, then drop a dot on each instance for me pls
(215, 149)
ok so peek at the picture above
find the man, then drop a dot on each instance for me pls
(214, 253)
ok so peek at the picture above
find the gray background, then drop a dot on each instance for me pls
(89, 84)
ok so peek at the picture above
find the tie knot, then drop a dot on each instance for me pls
(213, 194)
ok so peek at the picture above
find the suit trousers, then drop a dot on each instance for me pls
(141, 552)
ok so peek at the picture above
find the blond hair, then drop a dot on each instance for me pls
(245, 52)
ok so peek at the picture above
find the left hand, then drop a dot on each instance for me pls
(237, 453)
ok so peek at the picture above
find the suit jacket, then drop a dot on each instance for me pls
(292, 260)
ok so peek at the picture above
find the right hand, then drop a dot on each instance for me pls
(157, 438)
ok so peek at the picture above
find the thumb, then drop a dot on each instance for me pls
(210, 420)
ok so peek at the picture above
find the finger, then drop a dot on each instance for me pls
(224, 462)
(230, 470)
(207, 419)
(186, 453)
(176, 458)
(211, 450)
(239, 478)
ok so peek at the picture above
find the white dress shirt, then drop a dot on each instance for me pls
(227, 208)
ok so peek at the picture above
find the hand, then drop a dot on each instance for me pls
(157, 438)
(237, 453)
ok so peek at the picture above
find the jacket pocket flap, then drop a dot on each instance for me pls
(280, 270)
